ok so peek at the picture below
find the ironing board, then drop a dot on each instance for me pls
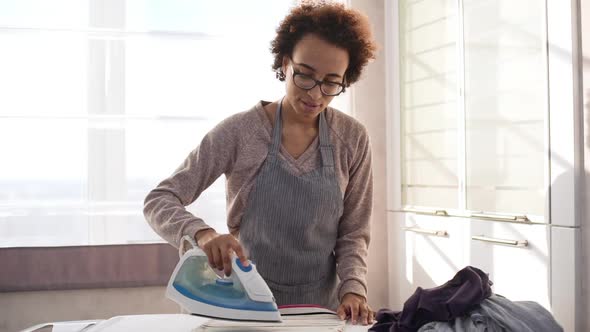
(149, 323)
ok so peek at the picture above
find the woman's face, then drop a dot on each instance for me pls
(322, 61)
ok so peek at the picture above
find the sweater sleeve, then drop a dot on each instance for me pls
(164, 207)
(354, 228)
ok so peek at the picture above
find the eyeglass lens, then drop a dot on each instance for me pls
(307, 83)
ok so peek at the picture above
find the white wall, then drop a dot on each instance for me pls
(369, 108)
(585, 226)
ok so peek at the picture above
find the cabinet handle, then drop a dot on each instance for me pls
(442, 213)
(514, 243)
(522, 218)
(426, 231)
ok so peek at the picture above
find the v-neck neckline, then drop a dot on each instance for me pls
(305, 155)
(299, 161)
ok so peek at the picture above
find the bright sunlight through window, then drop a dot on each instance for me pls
(101, 100)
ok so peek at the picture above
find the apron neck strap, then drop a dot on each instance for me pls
(325, 147)
(277, 130)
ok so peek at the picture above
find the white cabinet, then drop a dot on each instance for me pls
(427, 251)
(516, 150)
(516, 256)
(565, 278)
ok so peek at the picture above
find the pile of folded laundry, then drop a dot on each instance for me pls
(465, 303)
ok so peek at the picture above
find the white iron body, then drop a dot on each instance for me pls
(242, 296)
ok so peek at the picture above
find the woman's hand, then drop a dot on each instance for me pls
(218, 248)
(355, 307)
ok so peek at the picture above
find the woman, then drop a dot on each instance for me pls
(299, 183)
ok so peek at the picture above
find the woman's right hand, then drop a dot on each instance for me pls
(218, 248)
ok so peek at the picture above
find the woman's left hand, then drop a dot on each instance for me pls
(356, 308)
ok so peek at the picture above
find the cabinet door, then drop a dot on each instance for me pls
(430, 250)
(516, 256)
(565, 277)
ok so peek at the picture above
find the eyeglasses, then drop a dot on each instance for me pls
(306, 82)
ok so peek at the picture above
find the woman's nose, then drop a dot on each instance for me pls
(315, 92)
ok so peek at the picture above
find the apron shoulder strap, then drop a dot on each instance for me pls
(276, 132)
(325, 146)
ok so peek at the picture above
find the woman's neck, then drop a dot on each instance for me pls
(290, 118)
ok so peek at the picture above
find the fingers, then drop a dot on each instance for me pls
(215, 259)
(233, 246)
(361, 313)
(356, 308)
(365, 314)
(226, 257)
(209, 254)
(354, 312)
(240, 253)
(341, 311)
(219, 252)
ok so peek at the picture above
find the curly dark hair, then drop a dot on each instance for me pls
(332, 22)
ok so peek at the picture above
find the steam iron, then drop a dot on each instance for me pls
(200, 290)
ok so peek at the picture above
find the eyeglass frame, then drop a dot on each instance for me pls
(316, 82)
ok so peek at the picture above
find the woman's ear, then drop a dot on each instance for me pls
(285, 63)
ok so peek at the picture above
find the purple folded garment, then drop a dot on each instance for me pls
(468, 288)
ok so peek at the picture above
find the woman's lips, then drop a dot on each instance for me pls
(310, 106)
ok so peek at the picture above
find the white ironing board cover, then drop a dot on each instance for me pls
(168, 322)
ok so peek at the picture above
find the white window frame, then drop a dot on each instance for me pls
(558, 149)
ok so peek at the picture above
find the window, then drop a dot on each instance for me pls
(101, 100)
(473, 135)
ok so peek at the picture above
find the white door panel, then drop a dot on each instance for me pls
(431, 251)
(516, 256)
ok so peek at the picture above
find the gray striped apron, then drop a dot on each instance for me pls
(290, 225)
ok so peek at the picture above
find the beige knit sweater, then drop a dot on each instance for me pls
(237, 147)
